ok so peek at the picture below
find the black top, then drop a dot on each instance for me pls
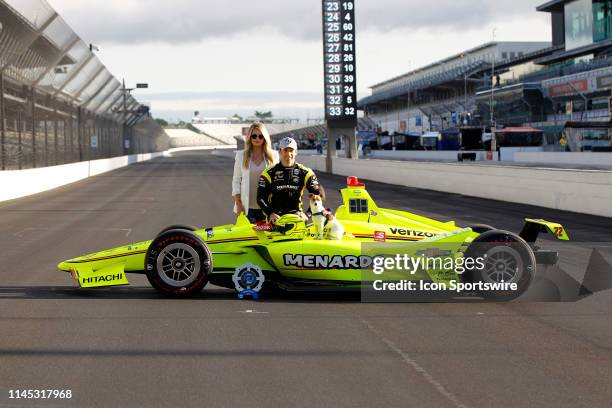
(280, 188)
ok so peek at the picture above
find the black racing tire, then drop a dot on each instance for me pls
(177, 227)
(507, 257)
(481, 228)
(178, 263)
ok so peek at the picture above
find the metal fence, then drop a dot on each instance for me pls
(58, 102)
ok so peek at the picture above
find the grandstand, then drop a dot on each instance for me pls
(566, 90)
(226, 133)
(221, 133)
(59, 103)
(441, 95)
(187, 137)
(309, 135)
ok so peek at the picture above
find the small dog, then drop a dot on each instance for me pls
(326, 225)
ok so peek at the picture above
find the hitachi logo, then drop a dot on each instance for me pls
(106, 278)
(328, 262)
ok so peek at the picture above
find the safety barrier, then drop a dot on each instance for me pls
(569, 158)
(20, 183)
(583, 191)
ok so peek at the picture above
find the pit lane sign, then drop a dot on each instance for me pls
(339, 63)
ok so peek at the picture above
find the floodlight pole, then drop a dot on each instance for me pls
(493, 126)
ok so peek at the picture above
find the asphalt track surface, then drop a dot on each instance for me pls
(131, 347)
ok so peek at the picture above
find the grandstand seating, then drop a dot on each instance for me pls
(558, 71)
(226, 133)
(454, 74)
(217, 134)
(364, 123)
(187, 137)
(222, 133)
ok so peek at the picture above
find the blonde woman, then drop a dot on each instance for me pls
(256, 156)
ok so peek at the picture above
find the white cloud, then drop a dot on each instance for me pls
(274, 46)
(182, 21)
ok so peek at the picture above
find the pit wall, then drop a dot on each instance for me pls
(20, 183)
(570, 158)
(583, 191)
(506, 154)
(433, 155)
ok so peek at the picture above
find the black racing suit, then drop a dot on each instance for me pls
(280, 188)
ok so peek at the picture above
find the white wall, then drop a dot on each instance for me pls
(508, 153)
(432, 155)
(584, 191)
(20, 183)
(572, 158)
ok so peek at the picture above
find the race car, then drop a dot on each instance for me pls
(292, 255)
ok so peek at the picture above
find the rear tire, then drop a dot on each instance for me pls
(178, 263)
(506, 257)
(481, 228)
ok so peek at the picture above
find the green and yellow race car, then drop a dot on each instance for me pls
(377, 250)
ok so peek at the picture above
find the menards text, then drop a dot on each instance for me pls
(327, 261)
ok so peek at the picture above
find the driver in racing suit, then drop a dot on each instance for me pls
(281, 185)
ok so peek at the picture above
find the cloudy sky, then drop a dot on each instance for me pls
(237, 56)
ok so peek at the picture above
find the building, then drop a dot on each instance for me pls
(440, 95)
(564, 90)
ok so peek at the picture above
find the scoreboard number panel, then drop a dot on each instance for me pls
(339, 63)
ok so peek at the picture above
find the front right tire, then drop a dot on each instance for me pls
(506, 258)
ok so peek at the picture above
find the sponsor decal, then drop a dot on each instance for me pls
(327, 261)
(105, 278)
(295, 180)
(248, 280)
(263, 227)
(411, 233)
(604, 82)
(380, 236)
(209, 233)
(569, 88)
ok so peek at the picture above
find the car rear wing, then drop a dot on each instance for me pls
(533, 227)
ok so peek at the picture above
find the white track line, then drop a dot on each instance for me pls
(416, 366)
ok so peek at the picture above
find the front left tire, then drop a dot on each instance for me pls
(178, 263)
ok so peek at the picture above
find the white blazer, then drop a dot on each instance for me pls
(240, 181)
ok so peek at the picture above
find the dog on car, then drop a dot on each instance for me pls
(326, 224)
